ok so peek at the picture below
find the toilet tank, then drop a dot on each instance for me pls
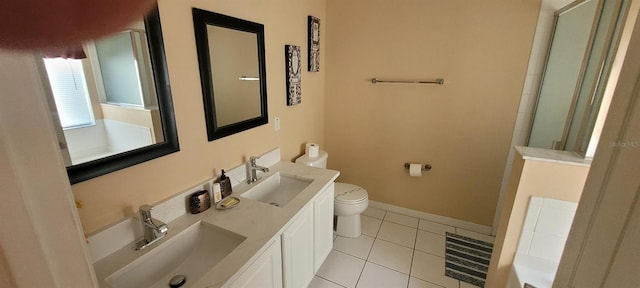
(320, 161)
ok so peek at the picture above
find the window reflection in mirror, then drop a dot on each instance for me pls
(110, 100)
(69, 89)
(106, 99)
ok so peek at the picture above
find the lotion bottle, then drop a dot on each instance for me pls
(225, 185)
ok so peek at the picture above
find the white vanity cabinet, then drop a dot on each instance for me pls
(307, 241)
(265, 272)
(323, 226)
(295, 256)
(297, 250)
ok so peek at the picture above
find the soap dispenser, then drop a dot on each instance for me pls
(225, 185)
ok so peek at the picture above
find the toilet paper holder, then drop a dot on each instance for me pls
(426, 167)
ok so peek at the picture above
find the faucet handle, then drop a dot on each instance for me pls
(253, 159)
(145, 211)
(146, 208)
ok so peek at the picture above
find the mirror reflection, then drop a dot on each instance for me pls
(579, 61)
(232, 72)
(105, 98)
(110, 100)
(235, 72)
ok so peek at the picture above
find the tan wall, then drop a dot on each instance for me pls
(92, 89)
(6, 277)
(462, 128)
(41, 243)
(158, 134)
(529, 178)
(112, 197)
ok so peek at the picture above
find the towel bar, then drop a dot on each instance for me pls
(439, 81)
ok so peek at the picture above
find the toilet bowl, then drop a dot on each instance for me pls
(349, 200)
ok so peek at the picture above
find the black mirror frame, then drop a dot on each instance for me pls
(85, 171)
(202, 18)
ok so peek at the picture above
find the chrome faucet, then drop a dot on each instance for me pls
(153, 229)
(252, 169)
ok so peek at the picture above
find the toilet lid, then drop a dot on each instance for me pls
(349, 193)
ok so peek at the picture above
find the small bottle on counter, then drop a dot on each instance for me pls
(225, 185)
(217, 193)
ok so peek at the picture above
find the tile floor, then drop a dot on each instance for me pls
(394, 251)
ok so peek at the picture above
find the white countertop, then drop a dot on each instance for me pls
(549, 155)
(258, 222)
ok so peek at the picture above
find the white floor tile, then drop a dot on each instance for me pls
(417, 283)
(318, 282)
(374, 212)
(434, 227)
(394, 250)
(475, 235)
(431, 268)
(398, 234)
(430, 242)
(370, 225)
(391, 256)
(358, 247)
(401, 219)
(341, 268)
(376, 276)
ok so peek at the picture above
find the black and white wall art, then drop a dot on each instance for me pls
(292, 55)
(314, 44)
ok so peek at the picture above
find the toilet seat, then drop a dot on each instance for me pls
(349, 194)
(349, 200)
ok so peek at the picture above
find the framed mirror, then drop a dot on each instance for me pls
(111, 101)
(232, 72)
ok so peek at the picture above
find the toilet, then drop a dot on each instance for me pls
(349, 200)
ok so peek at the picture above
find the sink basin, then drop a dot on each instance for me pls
(277, 189)
(191, 253)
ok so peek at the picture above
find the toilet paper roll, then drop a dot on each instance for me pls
(415, 170)
(312, 150)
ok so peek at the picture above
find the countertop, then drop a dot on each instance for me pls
(259, 222)
(549, 155)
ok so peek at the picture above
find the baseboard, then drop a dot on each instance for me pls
(482, 229)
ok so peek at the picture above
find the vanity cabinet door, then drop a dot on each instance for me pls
(297, 250)
(323, 226)
(266, 272)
